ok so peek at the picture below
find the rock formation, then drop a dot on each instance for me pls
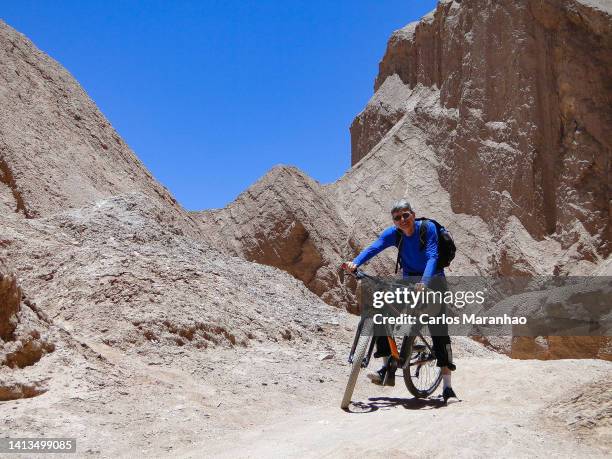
(10, 300)
(21, 342)
(57, 150)
(497, 88)
(124, 256)
(287, 220)
(580, 306)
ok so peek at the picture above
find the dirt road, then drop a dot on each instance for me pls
(506, 410)
(276, 400)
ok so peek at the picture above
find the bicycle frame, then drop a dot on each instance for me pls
(397, 355)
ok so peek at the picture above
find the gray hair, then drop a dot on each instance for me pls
(401, 205)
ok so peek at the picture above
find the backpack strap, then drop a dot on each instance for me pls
(398, 243)
(422, 233)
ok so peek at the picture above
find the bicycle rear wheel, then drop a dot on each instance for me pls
(421, 374)
(360, 351)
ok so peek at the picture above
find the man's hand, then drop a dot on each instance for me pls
(420, 287)
(349, 266)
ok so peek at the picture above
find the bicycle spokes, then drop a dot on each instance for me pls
(421, 373)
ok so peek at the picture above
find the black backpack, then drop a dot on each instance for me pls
(446, 245)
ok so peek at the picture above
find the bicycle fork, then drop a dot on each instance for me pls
(366, 359)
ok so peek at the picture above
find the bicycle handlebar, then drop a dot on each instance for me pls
(358, 274)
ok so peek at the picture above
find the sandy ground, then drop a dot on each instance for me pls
(502, 412)
(276, 400)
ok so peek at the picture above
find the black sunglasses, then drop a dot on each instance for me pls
(405, 216)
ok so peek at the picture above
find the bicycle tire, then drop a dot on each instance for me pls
(360, 351)
(422, 389)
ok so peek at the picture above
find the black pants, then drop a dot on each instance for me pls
(439, 334)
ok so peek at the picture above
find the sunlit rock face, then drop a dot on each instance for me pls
(517, 111)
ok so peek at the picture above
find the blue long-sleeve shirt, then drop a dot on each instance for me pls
(413, 259)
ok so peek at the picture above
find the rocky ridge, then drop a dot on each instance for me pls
(57, 149)
(288, 221)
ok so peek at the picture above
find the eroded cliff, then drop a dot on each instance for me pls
(517, 110)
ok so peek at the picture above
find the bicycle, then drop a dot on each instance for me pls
(416, 358)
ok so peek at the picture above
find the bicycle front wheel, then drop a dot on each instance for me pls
(360, 351)
(421, 374)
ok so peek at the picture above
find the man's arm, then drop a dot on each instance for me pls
(385, 240)
(431, 252)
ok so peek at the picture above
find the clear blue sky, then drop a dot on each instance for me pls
(212, 94)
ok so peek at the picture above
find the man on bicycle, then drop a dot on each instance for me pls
(414, 262)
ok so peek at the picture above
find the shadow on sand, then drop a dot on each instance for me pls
(376, 403)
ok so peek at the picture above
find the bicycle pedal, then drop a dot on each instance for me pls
(378, 354)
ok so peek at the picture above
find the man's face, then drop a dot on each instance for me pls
(404, 220)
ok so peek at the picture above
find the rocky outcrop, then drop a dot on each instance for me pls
(57, 150)
(450, 115)
(383, 111)
(512, 133)
(122, 271)
(13, 387)
(21, 342)
(508, 112)
(286, 220)
(111, 263)
(125, 274)
(561, 306)
(561, 347)
(10, 299)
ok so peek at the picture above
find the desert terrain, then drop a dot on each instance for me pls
(143, 329)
